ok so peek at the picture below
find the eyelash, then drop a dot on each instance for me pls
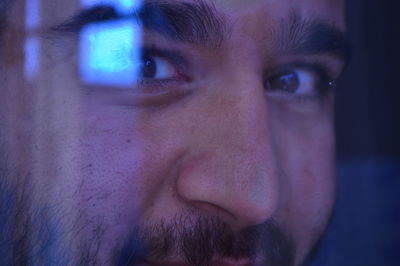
(174, 58)
(326, 82)
(325, 85)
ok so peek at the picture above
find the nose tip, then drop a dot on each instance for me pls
(230, 166)
(244, 195)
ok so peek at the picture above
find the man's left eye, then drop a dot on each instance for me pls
(156, 67)
(297, 81)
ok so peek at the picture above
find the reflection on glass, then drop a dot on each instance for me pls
(32, 19)
(122, 6)
(32, 47)
(109, 54)
(32, 44)
(109, 51)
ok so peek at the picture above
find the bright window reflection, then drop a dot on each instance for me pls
(32, 46)
(109, 53)
(32, 43)
(123, 6)
(32, 14)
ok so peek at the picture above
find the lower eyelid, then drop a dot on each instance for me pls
(157, 99)
(317, 94)
(161, 91)
(129, 98)
(158, 84)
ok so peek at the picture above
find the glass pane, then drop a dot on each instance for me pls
(183, 132)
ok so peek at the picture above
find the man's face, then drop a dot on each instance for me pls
(219, 150)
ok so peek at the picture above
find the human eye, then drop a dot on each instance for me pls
(156, 68)
(160, 77)
(302, 81)
(160, 68)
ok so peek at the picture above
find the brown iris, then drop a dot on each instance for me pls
(149, 68)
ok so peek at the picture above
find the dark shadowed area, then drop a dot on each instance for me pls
(365, 226)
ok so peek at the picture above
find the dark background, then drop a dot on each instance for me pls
(368, 102)
(366, 226)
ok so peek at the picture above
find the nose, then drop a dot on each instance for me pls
(230, 168)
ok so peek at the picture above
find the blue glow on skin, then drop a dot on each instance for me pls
(32, 14)
(122, 6)
(32, 47)
(109, 53)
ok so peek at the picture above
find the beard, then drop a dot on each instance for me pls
(33, 233)
(29, 234)
(199, 239)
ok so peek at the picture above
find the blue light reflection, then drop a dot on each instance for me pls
(32, 47)
(122, 6)
(109, 53)
(32, 16)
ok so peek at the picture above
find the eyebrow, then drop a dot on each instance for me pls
(200, 23)
(310, 36)
(195, 23)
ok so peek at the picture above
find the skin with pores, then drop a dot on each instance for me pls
(215, 144)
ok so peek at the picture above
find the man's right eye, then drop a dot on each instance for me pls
(157, 68)
(162, 76)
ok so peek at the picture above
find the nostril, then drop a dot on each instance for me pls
(214, 210)
(226, 187)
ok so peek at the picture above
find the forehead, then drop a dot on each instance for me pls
(54, 11)
(325, 6)
(331, 11)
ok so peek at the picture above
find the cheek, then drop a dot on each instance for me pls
(116, 172)
(304, 144)
(312, 194)
(126, 164)
(312, 184)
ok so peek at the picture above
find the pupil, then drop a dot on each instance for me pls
(149, 68)
(287, 82)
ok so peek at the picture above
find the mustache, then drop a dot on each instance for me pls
(197, 239)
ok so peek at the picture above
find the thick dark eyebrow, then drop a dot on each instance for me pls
(310, 36)
(195, 23)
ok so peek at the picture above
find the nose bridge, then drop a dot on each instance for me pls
(245, 113)
(241, 122)
(232, 167)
